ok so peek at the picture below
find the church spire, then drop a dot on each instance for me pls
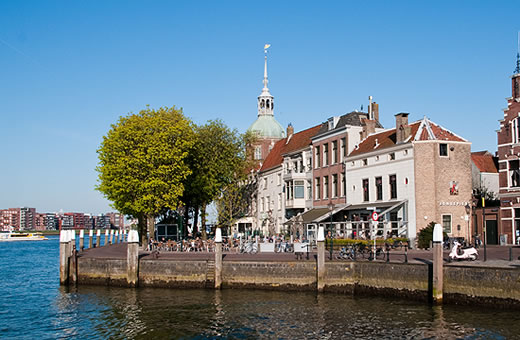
(265, 100)
(517, 69)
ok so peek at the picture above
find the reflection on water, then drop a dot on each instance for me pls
(34, 306)
(161, 313)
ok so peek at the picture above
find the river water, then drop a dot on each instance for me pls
(34, 306)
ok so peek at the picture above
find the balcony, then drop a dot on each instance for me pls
(296, 203)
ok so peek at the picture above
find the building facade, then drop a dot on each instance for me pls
(508, 137)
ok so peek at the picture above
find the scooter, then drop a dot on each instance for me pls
(458, 253)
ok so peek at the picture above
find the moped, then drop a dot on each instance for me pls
(457, 253)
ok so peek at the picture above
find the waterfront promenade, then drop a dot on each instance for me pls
(496, 256)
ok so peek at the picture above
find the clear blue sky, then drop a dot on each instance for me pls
(68, 69)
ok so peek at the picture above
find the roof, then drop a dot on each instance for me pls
(419, 131)
(485, 161)
(354, 118)
(267, 126)
(289, 144)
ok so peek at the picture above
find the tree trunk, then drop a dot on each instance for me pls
(186, 218)
(196, 221)
(203, 220)
(151, 227)
(141, 229)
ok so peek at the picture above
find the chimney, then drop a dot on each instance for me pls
(290, 130)
(375, 111)
(369, 126)
(402, 130)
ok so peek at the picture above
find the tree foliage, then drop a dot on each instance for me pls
(143, 161)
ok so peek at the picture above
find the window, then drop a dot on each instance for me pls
(279, 179)
(317, 190)
(268, 203)
(262, 206)
(366, 195)
(379, 188)
(258, 152)
(334, 152)
(515, 131)
(280, 201)
(365, 162)
(309, 190)
(326, 187)
(288, 190)
(393, 186)
(446, 223)
(443, 149)
(325, 154)
(343, 148)
(317, 158)
(514, 173)
(335, 185)
(265, 183)
(391, 156)
(343, 185)
(299, 189)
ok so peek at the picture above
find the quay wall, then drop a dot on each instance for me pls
(462, 284)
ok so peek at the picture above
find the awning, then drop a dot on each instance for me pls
(388, 206)
(309, 216)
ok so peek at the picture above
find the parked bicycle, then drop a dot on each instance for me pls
(346, 253)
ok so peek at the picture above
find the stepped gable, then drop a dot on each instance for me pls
(289, 144)
(485, 161)
(419, 131)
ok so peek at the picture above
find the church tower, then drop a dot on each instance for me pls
(266, 127)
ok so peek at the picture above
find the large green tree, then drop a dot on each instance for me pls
(217, 159)
(143, 163)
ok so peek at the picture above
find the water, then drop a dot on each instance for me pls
(33, 305)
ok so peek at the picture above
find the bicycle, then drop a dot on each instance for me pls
(379, 255)
(346, 253)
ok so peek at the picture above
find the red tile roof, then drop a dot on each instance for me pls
(420, 130)
(485, 161)
(296, 142)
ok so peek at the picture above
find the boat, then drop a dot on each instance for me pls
(8, 236)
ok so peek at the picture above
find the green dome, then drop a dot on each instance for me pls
(267, 126)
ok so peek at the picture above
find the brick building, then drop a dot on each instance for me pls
(508, 137)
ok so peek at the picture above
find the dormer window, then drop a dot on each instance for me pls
(391, 156)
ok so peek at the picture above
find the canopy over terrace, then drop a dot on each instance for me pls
(303, 225)
(354, 220)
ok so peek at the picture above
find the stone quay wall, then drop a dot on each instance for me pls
(462, 284)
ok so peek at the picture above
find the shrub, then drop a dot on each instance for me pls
(426, 236)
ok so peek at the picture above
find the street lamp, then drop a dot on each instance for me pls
(331, 208)
(468, 210)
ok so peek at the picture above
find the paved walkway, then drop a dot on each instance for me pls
(497, 256)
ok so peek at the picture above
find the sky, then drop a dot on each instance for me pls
(70, 69)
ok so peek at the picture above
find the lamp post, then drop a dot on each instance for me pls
(331, 208)
(468, 210)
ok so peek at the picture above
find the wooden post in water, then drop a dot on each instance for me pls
(98, 238)
(64, 257)
(438, 275)
(218, 258)
(107, 240)
(72, 241)
(321, 259)
(90, 237)
(81, 239)
(132, 259)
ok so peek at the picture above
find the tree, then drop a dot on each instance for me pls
(235, 201)
(142, 163)
(217, 159)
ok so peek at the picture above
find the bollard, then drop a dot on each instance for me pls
(438, 263)
(124, 236)
(81, 239)
(387, 255)
(111, 236)
(72, 246)
(90, 236)
(117, 236)
(98, 238)
(510, 254)
(64, 257)
(107, 240)
(218, 258)
(406, 254)
(321, 259)
(132, 259)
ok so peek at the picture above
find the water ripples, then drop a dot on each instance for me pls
(33, 305)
